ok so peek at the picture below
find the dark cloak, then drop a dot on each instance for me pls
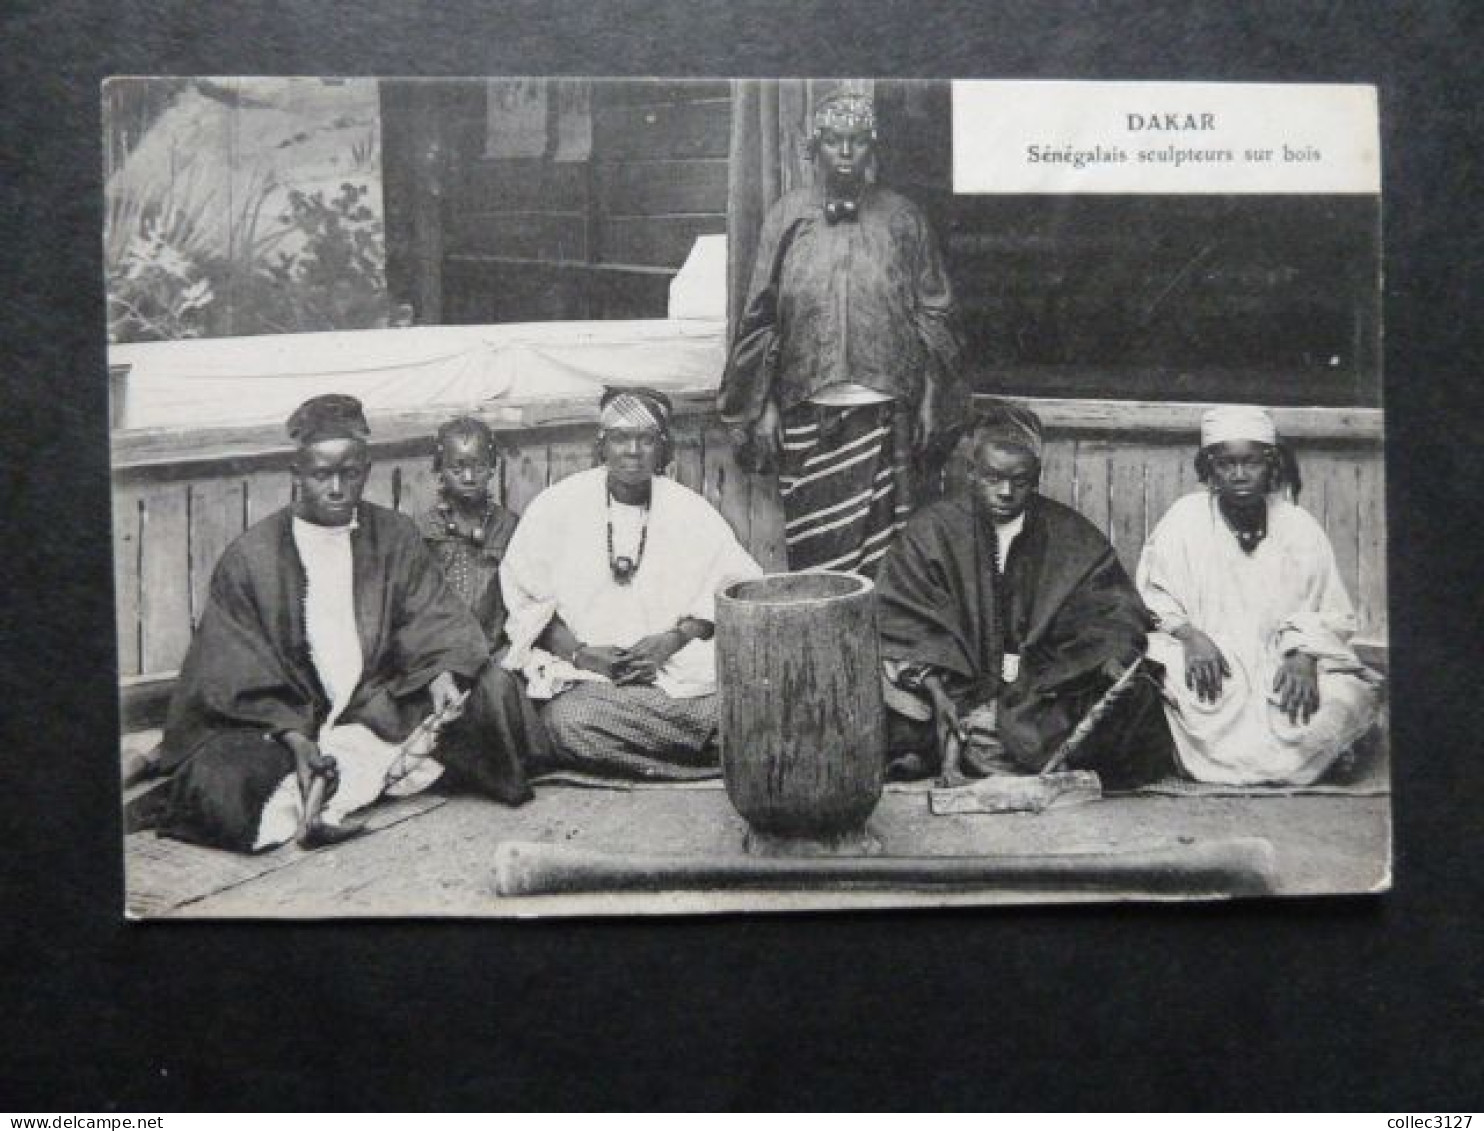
(865, 301)
(248, 674)
(1068, 607)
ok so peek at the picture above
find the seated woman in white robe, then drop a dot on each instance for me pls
(610, 580)
(1261, 685)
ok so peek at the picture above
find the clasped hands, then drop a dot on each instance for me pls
(1296, 682)
(637, 665)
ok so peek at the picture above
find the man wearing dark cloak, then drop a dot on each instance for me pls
(328, 619)
(1005, 616)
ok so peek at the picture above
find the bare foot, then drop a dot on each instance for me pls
(952, 774)
(909, 767)
(986, 758)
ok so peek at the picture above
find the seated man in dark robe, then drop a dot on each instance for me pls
(1005, 616)
(330, 658)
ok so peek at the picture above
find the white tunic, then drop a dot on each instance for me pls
(557, 564)
(1285, 596)
(330, 610)
(367, 765)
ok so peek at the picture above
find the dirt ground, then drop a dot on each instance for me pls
(441, 861)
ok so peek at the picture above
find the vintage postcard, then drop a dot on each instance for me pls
(542, 496)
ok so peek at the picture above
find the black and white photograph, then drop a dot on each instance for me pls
(554, 496)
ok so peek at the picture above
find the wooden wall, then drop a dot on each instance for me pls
(1272, 299)
(172, 518)
(172, 521)
(539, 238)
(1125, 484)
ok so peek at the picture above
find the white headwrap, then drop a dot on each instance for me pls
(1237, 422)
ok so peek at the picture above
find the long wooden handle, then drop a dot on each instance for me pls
(1238, 866)
(1093, 717)
(314, 805)
(428, 728)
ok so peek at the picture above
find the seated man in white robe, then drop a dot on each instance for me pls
(610, 580)
(1261, 685)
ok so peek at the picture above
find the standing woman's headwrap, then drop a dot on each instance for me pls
(845, 112)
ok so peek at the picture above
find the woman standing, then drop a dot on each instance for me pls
(845, 364)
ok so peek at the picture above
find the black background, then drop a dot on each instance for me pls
(1373, 1003)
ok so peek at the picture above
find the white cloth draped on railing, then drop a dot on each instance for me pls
(225, 381)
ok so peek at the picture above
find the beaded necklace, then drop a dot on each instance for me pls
(451, 526)
(624, 567)
(1249, 528)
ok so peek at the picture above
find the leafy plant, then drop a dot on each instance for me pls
(337, 278)
(164, 238)
(191, 256)
(158, 291)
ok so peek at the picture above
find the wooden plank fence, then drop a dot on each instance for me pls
(1122, 467)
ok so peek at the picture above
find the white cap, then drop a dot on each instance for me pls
(1237, 422)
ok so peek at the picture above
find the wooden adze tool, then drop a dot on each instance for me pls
(1053, 786)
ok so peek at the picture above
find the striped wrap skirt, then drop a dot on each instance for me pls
(846, 481)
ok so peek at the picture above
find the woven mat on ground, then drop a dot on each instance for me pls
(1374, 786)
(1179, 787)
(1363, 772)
(592, 781)
(163, 875)
(1369, 777)
(622, 785)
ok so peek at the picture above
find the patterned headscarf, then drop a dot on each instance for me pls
(1001, 422)
(846, 112)
(635, 408)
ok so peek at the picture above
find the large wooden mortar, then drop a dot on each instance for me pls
(803, 730)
